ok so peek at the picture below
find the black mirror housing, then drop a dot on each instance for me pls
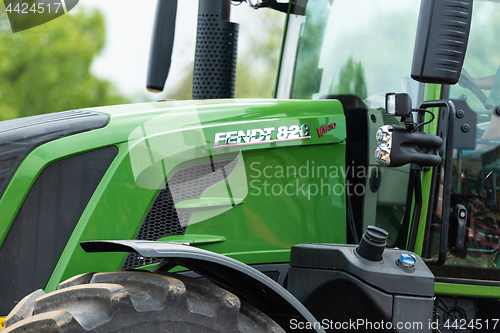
(441, 41)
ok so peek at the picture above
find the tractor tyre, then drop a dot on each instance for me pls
(136, 302)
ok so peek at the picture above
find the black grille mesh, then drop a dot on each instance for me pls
(163, 220)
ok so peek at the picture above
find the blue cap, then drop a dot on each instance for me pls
(407, 260)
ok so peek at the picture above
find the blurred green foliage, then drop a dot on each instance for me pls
(351, 80)
(483, 57)
(257, 65)
(47, 68)
(367, 54)
(307, 76)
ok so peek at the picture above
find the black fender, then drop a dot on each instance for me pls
(242, 280)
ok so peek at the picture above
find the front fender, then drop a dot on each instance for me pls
(242, 280)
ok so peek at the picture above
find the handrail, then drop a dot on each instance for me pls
(445, 220)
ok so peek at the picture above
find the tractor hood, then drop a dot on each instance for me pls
(163, 136)
(105, 173)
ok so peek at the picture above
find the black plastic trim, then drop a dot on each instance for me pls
(45, 222)
(281, 270)
(19, 137)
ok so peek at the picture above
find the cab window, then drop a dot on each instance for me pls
(476, 172)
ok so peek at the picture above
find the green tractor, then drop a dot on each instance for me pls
(363, 196)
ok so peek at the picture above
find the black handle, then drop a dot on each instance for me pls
(458, 229)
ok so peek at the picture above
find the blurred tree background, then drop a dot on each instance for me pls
(351, 80)
(308, 74)
(47, 69)
(340, 54)
(482, 58)
(256, 65)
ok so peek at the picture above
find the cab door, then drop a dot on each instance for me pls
(467, 282)
(475, 171)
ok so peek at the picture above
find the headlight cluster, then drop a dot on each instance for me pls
(383, 151)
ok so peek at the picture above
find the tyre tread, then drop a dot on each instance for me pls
(76, 280)
(24, 308)
(50, 322)
(127, 301)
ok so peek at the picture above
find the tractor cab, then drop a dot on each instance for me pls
(335, 50)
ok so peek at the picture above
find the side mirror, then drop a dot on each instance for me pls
(441, 41)
(162, 43)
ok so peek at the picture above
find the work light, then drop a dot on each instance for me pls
(384, 135)
(259, 3)
(383, 155)
(397, 104)
(383, 151)
(397, 146)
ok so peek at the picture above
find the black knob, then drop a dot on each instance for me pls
(372, 243)
(497, 110)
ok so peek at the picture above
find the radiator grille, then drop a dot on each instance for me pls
(163, 220)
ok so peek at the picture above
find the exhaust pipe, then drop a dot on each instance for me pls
(216, 50)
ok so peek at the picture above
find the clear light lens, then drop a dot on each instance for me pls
(255, 3)
(390, 104)
(383, 155)
(384, 135)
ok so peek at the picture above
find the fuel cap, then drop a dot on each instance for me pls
(372, 243)
(406, 260)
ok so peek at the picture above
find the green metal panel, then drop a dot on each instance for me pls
(281, 210)
(451, 289)
(262, 228)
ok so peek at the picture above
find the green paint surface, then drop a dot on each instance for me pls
(451, 289)
(255, 229)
